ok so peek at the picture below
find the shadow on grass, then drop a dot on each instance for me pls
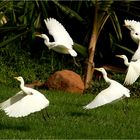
(20, 127)
(79, 114)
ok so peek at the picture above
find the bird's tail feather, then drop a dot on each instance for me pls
(73, 53)
(89, 106)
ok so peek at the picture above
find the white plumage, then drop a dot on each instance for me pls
(114, 92)
(133, 70)
(63, 43)
(25, 102)
(134, 27)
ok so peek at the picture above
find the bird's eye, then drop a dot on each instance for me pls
(136, 34)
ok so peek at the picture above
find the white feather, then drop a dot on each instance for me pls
(63, 43)
(28, 104)
(136, 55)
(12, 100)
(134, 27)
(114, 92)
(133, 72)
(72, 52)
(24, 102)
(58, 31)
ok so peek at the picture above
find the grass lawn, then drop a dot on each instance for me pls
(69, 121)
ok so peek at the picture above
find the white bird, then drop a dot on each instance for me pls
(134, 27)
(63, 43)
(114, 92)
(25, 102)
(133, 70)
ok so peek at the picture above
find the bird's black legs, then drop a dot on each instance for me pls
(44, 114)
(75, 62)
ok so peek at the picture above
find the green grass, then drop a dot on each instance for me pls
(69, 121)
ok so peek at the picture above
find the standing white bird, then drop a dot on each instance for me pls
(133, 70)
(114, 92)
(63, 43)
(25, 102)
(134, 27)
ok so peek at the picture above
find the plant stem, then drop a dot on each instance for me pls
(92, 45)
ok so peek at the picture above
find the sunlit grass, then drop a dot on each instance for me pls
(68, 120)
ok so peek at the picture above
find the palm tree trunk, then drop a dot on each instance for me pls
(100, 18)
(92, 45)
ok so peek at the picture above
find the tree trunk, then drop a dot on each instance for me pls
(100, 18)
(90, 64)
(92, 45)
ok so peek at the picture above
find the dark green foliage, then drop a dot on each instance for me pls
(24, 54)
(21, 53)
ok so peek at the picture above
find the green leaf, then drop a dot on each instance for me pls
(116, 25)
(43, 8)
(101, 20)
(12, 39)
(80, 49)
(124, 48)
(71, 13)
(4, 4)
(37, 22)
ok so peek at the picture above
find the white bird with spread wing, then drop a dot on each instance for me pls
(63, 43)
(114, 92)
(134, 27)
(133, 70)
(25, 102)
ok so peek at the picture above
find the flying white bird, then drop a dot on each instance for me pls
(133, 70)
(63, 43)
(25, 102)
(114, 92)
(134, 27)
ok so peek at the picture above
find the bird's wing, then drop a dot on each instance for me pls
(12, 100)
(108, 95)
(132, 24)
(133, 72)
(28, 104)
(58, 32)
(136, 55)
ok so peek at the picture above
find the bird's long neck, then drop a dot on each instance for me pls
(108, 80)
(126, 61)
(22, 84)
(47, 43)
